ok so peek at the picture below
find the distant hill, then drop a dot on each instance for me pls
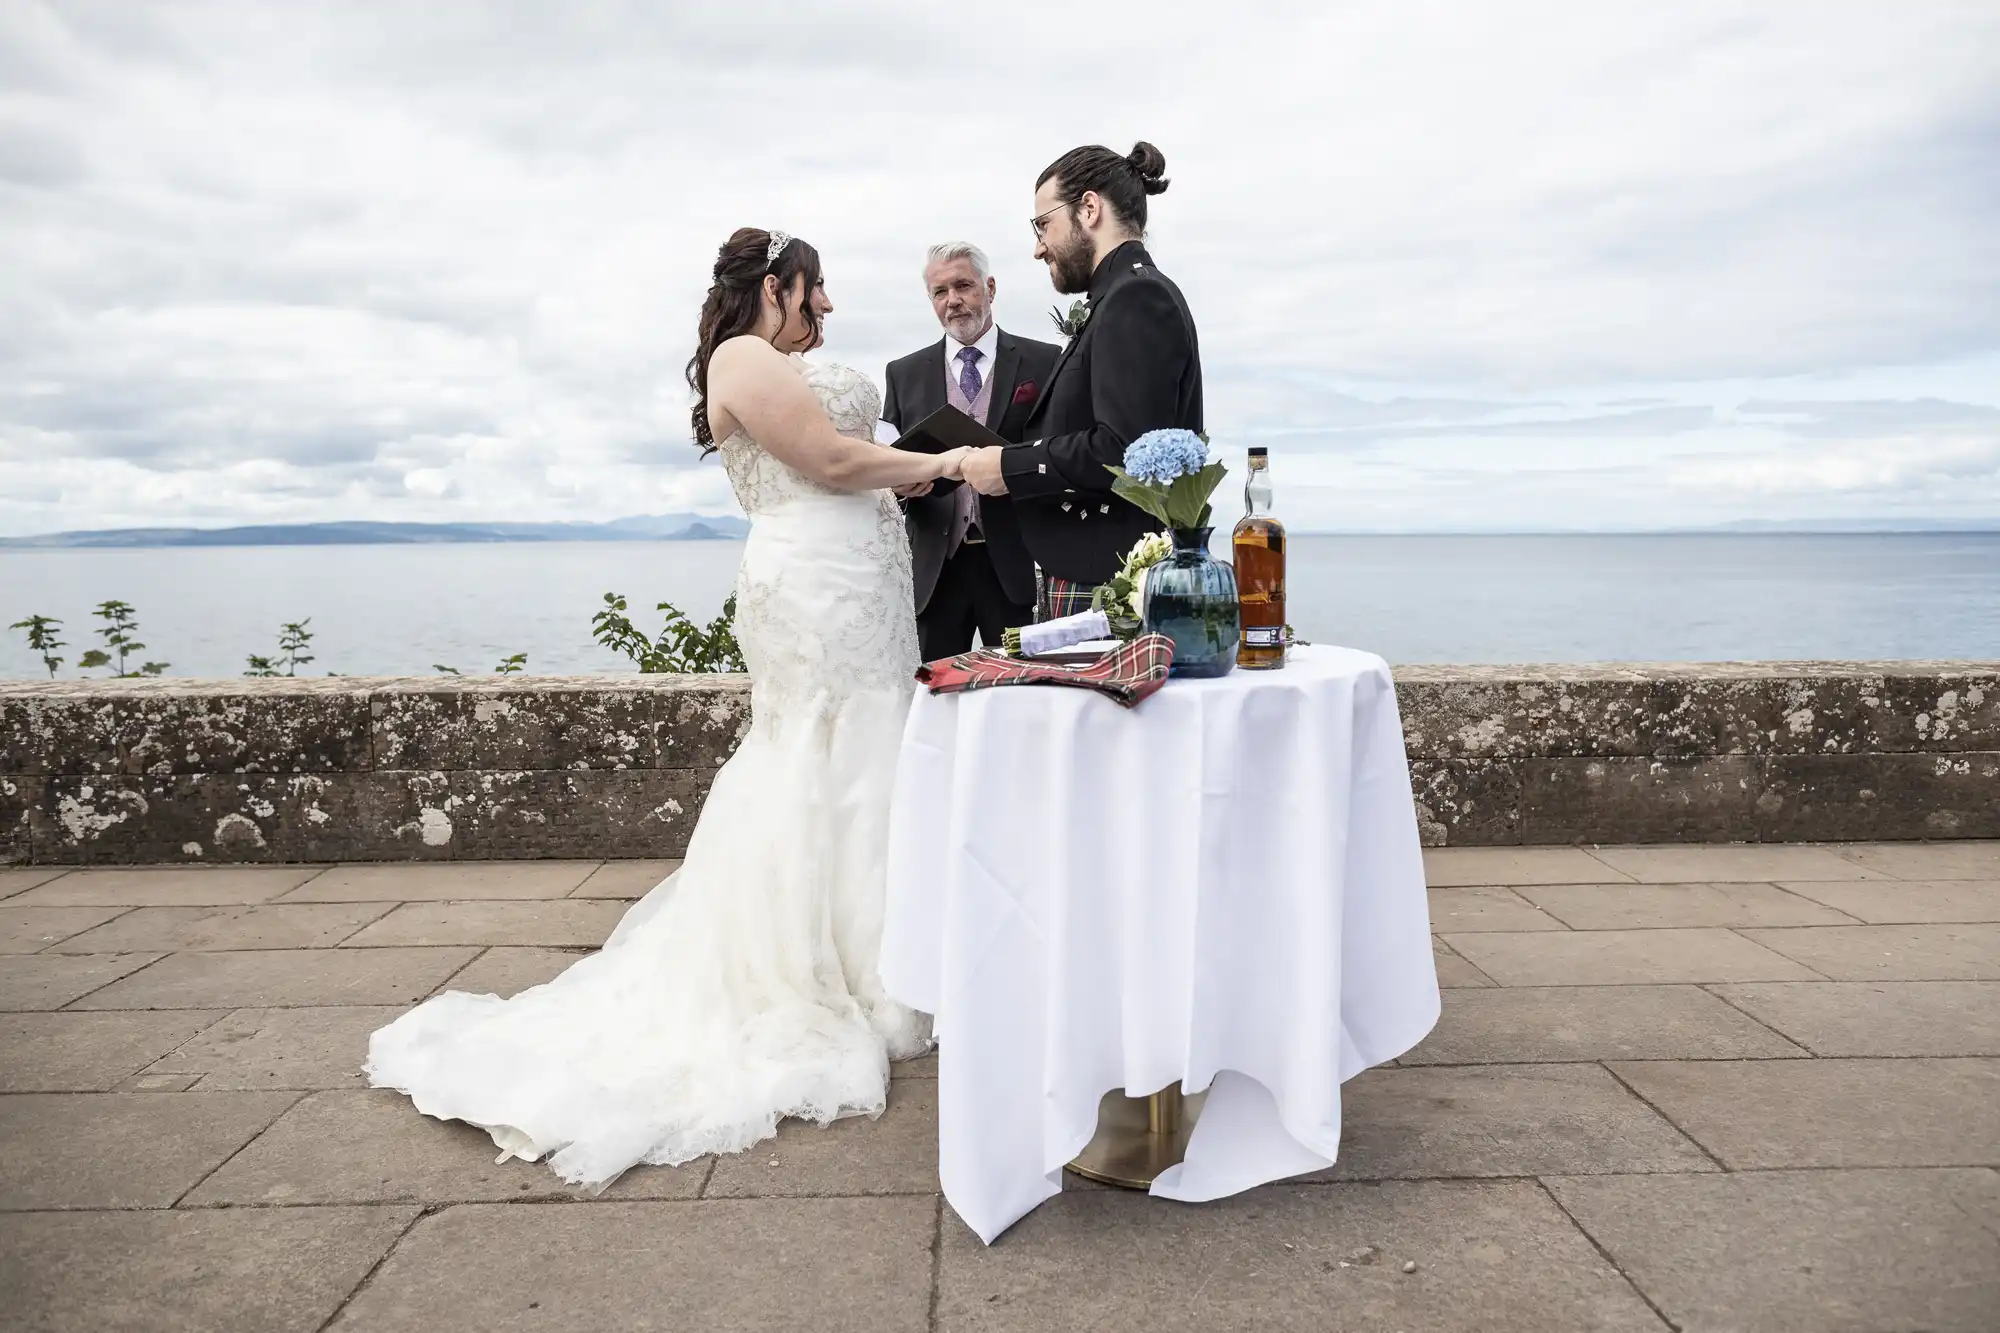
(1880, 525)
(709, 527)
(643, 528)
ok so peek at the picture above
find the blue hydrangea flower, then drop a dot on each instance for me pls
(1159, 456)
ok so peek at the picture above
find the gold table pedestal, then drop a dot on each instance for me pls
(1138, 1137)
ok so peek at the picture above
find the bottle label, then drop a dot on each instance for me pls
(1263, 636)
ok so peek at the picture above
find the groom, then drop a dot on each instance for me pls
(1133, 366)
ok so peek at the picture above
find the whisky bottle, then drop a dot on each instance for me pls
(1259, 546)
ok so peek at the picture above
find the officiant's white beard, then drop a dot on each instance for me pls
(968, 328)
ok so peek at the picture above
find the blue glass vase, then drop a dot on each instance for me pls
(1191, 598)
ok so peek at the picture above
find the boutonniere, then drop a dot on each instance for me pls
(1071, 324)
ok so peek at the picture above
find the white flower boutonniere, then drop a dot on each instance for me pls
(1071, 324)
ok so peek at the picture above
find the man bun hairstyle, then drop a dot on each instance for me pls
(1151, 164)
(1122, 182)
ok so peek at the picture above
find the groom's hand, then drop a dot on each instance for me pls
(981, 470)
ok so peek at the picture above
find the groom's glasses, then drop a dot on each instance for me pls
(1041, 222)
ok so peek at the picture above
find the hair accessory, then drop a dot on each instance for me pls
(779, 240)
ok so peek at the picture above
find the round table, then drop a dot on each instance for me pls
(1220, 888)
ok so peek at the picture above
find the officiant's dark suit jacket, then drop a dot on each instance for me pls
(915, 389)
(1135, 366)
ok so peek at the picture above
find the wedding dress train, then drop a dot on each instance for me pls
(743, 989)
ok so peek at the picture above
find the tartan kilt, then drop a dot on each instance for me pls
(1062, 597)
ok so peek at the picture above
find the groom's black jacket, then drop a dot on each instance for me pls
(1135, 366)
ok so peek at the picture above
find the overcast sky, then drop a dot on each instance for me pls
(1461, 266)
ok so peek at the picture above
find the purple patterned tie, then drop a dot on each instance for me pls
(968, 377)
(966, 518)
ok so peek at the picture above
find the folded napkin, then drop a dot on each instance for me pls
(1127, 674)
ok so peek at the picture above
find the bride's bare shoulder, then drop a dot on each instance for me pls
(743, 350)
(747, 351)
(749, 365)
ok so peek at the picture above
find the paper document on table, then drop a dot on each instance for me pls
(886, 432)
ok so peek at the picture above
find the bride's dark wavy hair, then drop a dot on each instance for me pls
(736, 299)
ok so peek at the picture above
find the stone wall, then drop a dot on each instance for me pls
(1751, 752)
(354, 768)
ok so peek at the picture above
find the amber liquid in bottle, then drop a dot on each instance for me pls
(1259, 548)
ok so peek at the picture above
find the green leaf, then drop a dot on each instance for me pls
(681, 646)
(1123, 627)
(1141, 493)
(1187, 499)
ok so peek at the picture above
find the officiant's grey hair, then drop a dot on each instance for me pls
(950, 250)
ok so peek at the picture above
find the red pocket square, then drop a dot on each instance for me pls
(1025, 393)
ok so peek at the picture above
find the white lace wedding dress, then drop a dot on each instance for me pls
(743, 989)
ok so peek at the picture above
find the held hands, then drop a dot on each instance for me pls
(949, 466)
(981, 471)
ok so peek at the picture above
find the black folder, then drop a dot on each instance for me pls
(947, 429)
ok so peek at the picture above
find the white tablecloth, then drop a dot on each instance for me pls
(1222, 886)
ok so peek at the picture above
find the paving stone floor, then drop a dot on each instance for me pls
(1744, 1088)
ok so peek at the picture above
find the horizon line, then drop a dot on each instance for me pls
(1806, 528)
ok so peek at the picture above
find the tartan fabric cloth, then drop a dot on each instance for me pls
(1063, 597)
(1127, 674)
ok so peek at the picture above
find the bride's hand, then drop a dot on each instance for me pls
(953, 463)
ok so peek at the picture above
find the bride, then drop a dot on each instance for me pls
(742, 989)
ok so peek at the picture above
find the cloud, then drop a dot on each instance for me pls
(271, 262)
(1346, 423)
(1873, 419)
(1884, 457)
(1645, 422)
(1935, 470)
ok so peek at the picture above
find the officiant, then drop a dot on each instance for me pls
(972, 572)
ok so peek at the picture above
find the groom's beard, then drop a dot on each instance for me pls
(1072, 267)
